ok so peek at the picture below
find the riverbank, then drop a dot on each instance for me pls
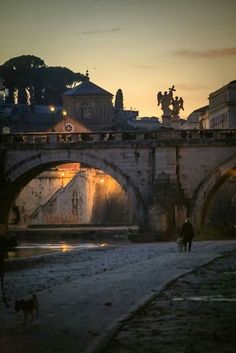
(195, 313)
(84, 292)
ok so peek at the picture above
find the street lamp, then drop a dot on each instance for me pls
(52, 110)
(64, 114)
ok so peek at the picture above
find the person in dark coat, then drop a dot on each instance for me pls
(187, 234)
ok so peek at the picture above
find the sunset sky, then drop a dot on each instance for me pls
(140, 46)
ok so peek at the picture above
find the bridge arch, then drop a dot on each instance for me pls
(206, 190)
(21, 173)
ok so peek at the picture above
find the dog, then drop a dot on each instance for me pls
(28, 307)
(179, 242)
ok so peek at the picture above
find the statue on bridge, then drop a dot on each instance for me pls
(177, 103)
(167, 99)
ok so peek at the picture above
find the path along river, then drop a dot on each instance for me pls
(84, 291)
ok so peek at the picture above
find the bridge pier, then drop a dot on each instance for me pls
(3, 229)
(4, 188)
(168, 205)
(5, 205)
(167, 220)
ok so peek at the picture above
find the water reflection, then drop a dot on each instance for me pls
(217, 298)
(28, 249)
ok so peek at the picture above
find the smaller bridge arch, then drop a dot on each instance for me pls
(208, 187)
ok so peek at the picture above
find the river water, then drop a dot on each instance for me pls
(26, 249)
(29, 248)
(48, 240)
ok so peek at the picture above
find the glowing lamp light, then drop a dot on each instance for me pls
(102, 181)
(52, 108)
(65, 247)
(64, 113)
(62, 174)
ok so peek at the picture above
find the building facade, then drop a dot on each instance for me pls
(89, 104)
(222, 107)
(198, 119)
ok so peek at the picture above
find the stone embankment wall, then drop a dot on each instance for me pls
(87, 196)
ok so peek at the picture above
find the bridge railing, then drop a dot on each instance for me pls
(109, 136)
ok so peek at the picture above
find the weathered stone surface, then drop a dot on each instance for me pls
(159, 174)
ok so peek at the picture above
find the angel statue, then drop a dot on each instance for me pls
(177, 103)
(166, 100)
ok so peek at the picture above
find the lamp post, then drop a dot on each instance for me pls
(52, 110)
(64, 114)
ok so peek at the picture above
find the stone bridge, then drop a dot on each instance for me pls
(167, 174)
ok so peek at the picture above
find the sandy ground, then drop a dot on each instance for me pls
(82, 293)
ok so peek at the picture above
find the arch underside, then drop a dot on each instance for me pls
(27, 169)
(207, 189)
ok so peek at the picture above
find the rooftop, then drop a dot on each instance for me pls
(87, 88)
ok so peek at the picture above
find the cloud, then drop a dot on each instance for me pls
(148, 67)
(207, 54)
(191, 87)
(100, 31)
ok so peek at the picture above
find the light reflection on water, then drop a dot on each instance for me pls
(34, 249)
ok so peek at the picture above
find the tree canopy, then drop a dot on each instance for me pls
(30, 81)
(119, 105)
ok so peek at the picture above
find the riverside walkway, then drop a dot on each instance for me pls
(83, 294)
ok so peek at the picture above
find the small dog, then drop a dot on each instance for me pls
(28, 307)
(179, 242)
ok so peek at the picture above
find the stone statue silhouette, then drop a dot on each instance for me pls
(177, 104)
(166, 100)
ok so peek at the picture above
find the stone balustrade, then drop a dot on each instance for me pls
(109, 136)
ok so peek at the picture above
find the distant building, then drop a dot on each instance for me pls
(89, 104)
(20, 117)
(146, 123)
(198, 119)
(130, 115)
(68, 124)
(16, 118)
(222, 107)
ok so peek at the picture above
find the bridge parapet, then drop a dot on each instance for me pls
(114, 136)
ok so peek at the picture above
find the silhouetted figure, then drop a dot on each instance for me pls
(165, 101)
(177, 104)
(187, 234)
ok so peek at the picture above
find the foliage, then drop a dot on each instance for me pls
(119, 104)
(35, 82)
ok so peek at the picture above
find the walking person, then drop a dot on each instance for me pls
(187, 234)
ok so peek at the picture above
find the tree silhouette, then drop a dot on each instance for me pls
(35, 82)
(119, 104)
